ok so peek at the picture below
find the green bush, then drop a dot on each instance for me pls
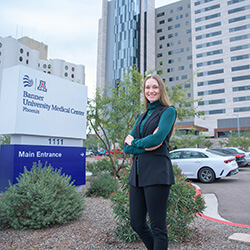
(100, 166)
(102, 185)
(183, 205)
(41, 197)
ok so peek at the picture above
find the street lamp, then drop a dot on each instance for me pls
(238, 123)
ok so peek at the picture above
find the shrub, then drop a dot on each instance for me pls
(41, 197)
(183, 205)
(100, 166)
(120, 205)
(102, 185)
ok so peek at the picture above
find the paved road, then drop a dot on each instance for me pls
(233, 194)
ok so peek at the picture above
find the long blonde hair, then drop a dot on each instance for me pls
(164, 99)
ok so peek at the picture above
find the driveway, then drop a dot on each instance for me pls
(233, 194)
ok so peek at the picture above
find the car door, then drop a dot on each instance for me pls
(190, 162)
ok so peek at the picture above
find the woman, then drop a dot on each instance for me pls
(151, 174)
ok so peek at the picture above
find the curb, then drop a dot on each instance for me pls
(198, 192)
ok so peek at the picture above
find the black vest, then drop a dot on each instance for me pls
(155, 166)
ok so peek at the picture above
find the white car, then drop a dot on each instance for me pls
(201, 164)
(240, 151)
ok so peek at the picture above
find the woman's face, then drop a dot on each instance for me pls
(152, 90)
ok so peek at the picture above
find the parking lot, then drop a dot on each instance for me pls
(233, 194)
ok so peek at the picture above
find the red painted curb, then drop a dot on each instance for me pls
(198, 192)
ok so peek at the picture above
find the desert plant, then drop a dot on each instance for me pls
(183, 205)
(102, 185)
(41, 197)
(100, 166)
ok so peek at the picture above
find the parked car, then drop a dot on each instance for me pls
(240, 158)
(201, 164)
(102, 152)
(240, 151)
(118, 151)
(89, 153)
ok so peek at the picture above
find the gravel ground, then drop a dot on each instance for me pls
(94, 230)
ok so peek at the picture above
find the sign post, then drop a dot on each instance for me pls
(46, 118)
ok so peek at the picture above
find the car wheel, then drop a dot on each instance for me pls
(206, 175)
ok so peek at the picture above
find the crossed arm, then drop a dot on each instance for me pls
(153, 141)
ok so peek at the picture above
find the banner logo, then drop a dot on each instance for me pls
(27, 82)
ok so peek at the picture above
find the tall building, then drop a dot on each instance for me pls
(26, 51)
(210, 40)
(202, 43)
(126, 38)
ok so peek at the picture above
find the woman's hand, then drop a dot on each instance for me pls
(129, 139)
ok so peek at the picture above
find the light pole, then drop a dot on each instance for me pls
(238, 123)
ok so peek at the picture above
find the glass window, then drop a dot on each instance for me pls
(240, 47)
(211, 82)
(160, 14)
(243, 27)
(241, 88)
(240, 57)
(234, 1)
(240, 78)
(175, 155)
(239, 9)
(242, 109)
(241, 99)
(237, 19)
(242, 67)
(207, 9)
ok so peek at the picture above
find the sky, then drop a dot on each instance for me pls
(68, 27)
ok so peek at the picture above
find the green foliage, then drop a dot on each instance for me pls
(113, 112)
(92, 142)
(189, 140)
(102, 185)
(120, 205)
(100, 166)
(183, 205)
(4, 139)
(41, 197)
(242, 141)
(178, 95)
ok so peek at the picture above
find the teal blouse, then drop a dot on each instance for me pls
(165, 124)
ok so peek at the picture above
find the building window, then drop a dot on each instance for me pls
(243, 27)
(216, 111)
(170, 35)
(171, 61)
(159, 30)
(211, 82)
(181, 68)
(162, 38)
(211, 102)
(27, 53)
(184, 77)
(20, 59)
(211, 92)
(160, 14)
(205, 45)
(234, 1)
(207, 9)
(241, 99)
(44, 66)
(162, 22)
(239, 9)
(243, 109)
(212, 72)
(202, 1)
(240, 47)
(201, 64)
(241, 88)
(21, 51)
(237, 19)
(208, 26)
(197, 20)
(65, 74)
(210, 53)
(27, 61)
(240, 78)
(240, 57)
(237, 38)
(242, 67)
(159, 55)
(66, 67)
(216, 33)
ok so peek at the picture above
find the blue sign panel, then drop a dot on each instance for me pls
(13, 158)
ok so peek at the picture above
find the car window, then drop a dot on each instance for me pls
(202, 155)
(175, 155)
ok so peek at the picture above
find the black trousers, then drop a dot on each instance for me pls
(151, 200)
